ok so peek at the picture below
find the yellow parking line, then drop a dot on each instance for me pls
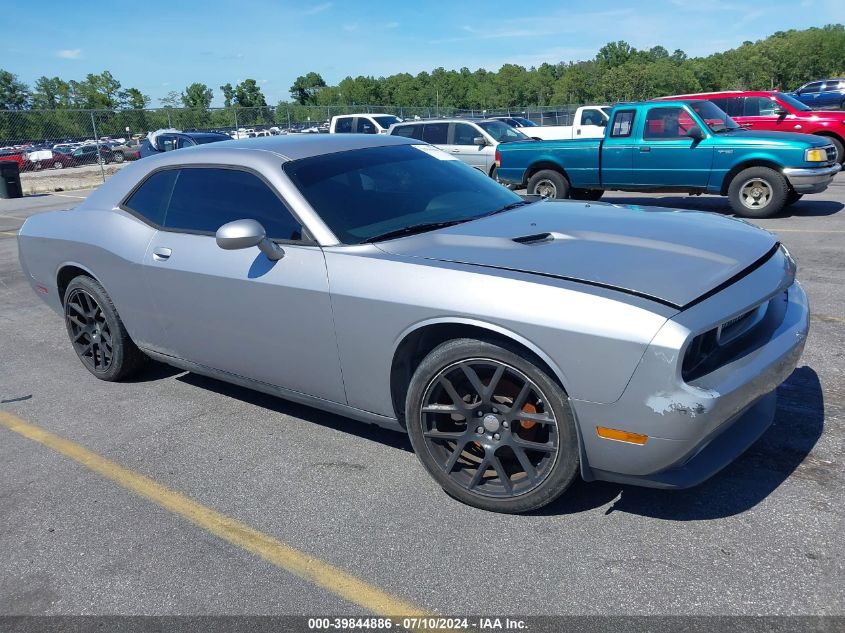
(284, 556)
(9, 233)
(826, 317)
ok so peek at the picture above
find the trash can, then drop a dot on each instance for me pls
(10, 180)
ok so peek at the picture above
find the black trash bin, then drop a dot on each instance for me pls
(10, 180)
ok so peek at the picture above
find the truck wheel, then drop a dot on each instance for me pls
(548, 183)
(586, 194)
(758, 192)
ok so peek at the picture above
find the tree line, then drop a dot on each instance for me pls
(618, 72)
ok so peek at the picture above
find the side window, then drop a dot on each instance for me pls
(759, 106)
(167, 143)
(435, 133)
(464, 134)
(204, 199)
(343, 125)
(408, 131)
(591, 117)
(623, 124)
(813, 87)
(734, 106)
(666, 123)
(184, 141)
(150, 200)
(365, 126)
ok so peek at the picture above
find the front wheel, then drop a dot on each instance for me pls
(492, 427)
(96, 332)
(758, 192)
(548, 183)
(119, 157)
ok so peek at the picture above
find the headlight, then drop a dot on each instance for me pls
(815, 155)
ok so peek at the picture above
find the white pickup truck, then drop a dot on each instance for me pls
(587, 122)
(364, 123)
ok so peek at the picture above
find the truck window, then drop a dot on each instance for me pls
(343, 125)
(591, 117)
(667, 123)
(365, 126)
(623, 123)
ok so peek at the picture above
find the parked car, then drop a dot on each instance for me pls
(821, 95)
(362, 123)
(515, 121)
(587, 122)
(130, 150)
(392, 274)
(690, 146)
(473, 141)
(777, 112)
(169, 140)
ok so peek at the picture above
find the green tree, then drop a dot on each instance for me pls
(50, 94)
(133, 99)
(170, 100)
(305, 88)
(14, 94)
(197, 96)
(249, 95)
(228, 94)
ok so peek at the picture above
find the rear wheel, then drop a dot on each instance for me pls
(548, 183)
(492, 427)
(96, 332)
(58, 165)
(119, 157)
(758, 192)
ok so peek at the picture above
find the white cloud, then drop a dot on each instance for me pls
(318, 8)
(70, 53)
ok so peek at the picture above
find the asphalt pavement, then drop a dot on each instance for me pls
(765, 536)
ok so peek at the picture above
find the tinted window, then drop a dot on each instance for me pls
(623, 123)
(464, 134)
(204, 199)
(759, 106)
(814, 87)
(501, 132)
(408, 131)
(386, 120)
(167, 143)
(343, 125)
(435, 133)
(150, 200)
(369, 192)
(184, 141)
(592, 117)
(365, 126)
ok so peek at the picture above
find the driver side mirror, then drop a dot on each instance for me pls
(695, 133)
(480, 141)
(246, 234)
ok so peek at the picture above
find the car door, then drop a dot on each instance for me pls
(831, 96)
(461, 143)
(617, 150)
(811, 93)
(436, 134)
(667, 157)
(236, 310)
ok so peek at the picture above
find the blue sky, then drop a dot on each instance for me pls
(162, 46)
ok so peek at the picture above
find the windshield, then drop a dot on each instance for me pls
(525, 122)
(501, 132)
(793, 103)
(365, 193)
(387, 120)
(713, 116)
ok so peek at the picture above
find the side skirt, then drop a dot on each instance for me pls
(360, 415)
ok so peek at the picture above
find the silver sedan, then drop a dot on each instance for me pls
(519, 343)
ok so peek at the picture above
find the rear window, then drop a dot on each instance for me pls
(623, 123)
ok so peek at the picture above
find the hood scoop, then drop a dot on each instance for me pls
(540, 238)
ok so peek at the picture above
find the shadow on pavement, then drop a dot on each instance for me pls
(780, 452)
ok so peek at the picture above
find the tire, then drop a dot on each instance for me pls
(792, 197)
(96, 332)
(119, 157)
(758, 192)
(586, 194)
(58, 165)
(491, 471)
(548, 183)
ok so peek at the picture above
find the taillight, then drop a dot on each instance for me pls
(498, 159)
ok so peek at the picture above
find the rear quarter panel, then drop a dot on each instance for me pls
(578, 159)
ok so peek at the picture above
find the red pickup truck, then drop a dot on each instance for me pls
(777, 112)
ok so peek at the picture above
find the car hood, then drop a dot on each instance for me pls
(673, 257)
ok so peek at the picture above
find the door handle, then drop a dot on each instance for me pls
(645, 149)
(161, 254)
(456, 151)
(579, 131)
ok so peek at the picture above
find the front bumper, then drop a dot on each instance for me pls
(695, 429)
(811, 180)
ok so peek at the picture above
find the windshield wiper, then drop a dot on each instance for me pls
(413, 229)
(508, 207)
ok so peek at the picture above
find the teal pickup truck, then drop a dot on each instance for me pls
(675, 146)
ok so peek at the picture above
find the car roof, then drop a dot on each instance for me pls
(444, 120)
(200, 134)
(722, 93)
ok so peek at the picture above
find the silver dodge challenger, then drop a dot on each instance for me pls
(519, 343)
